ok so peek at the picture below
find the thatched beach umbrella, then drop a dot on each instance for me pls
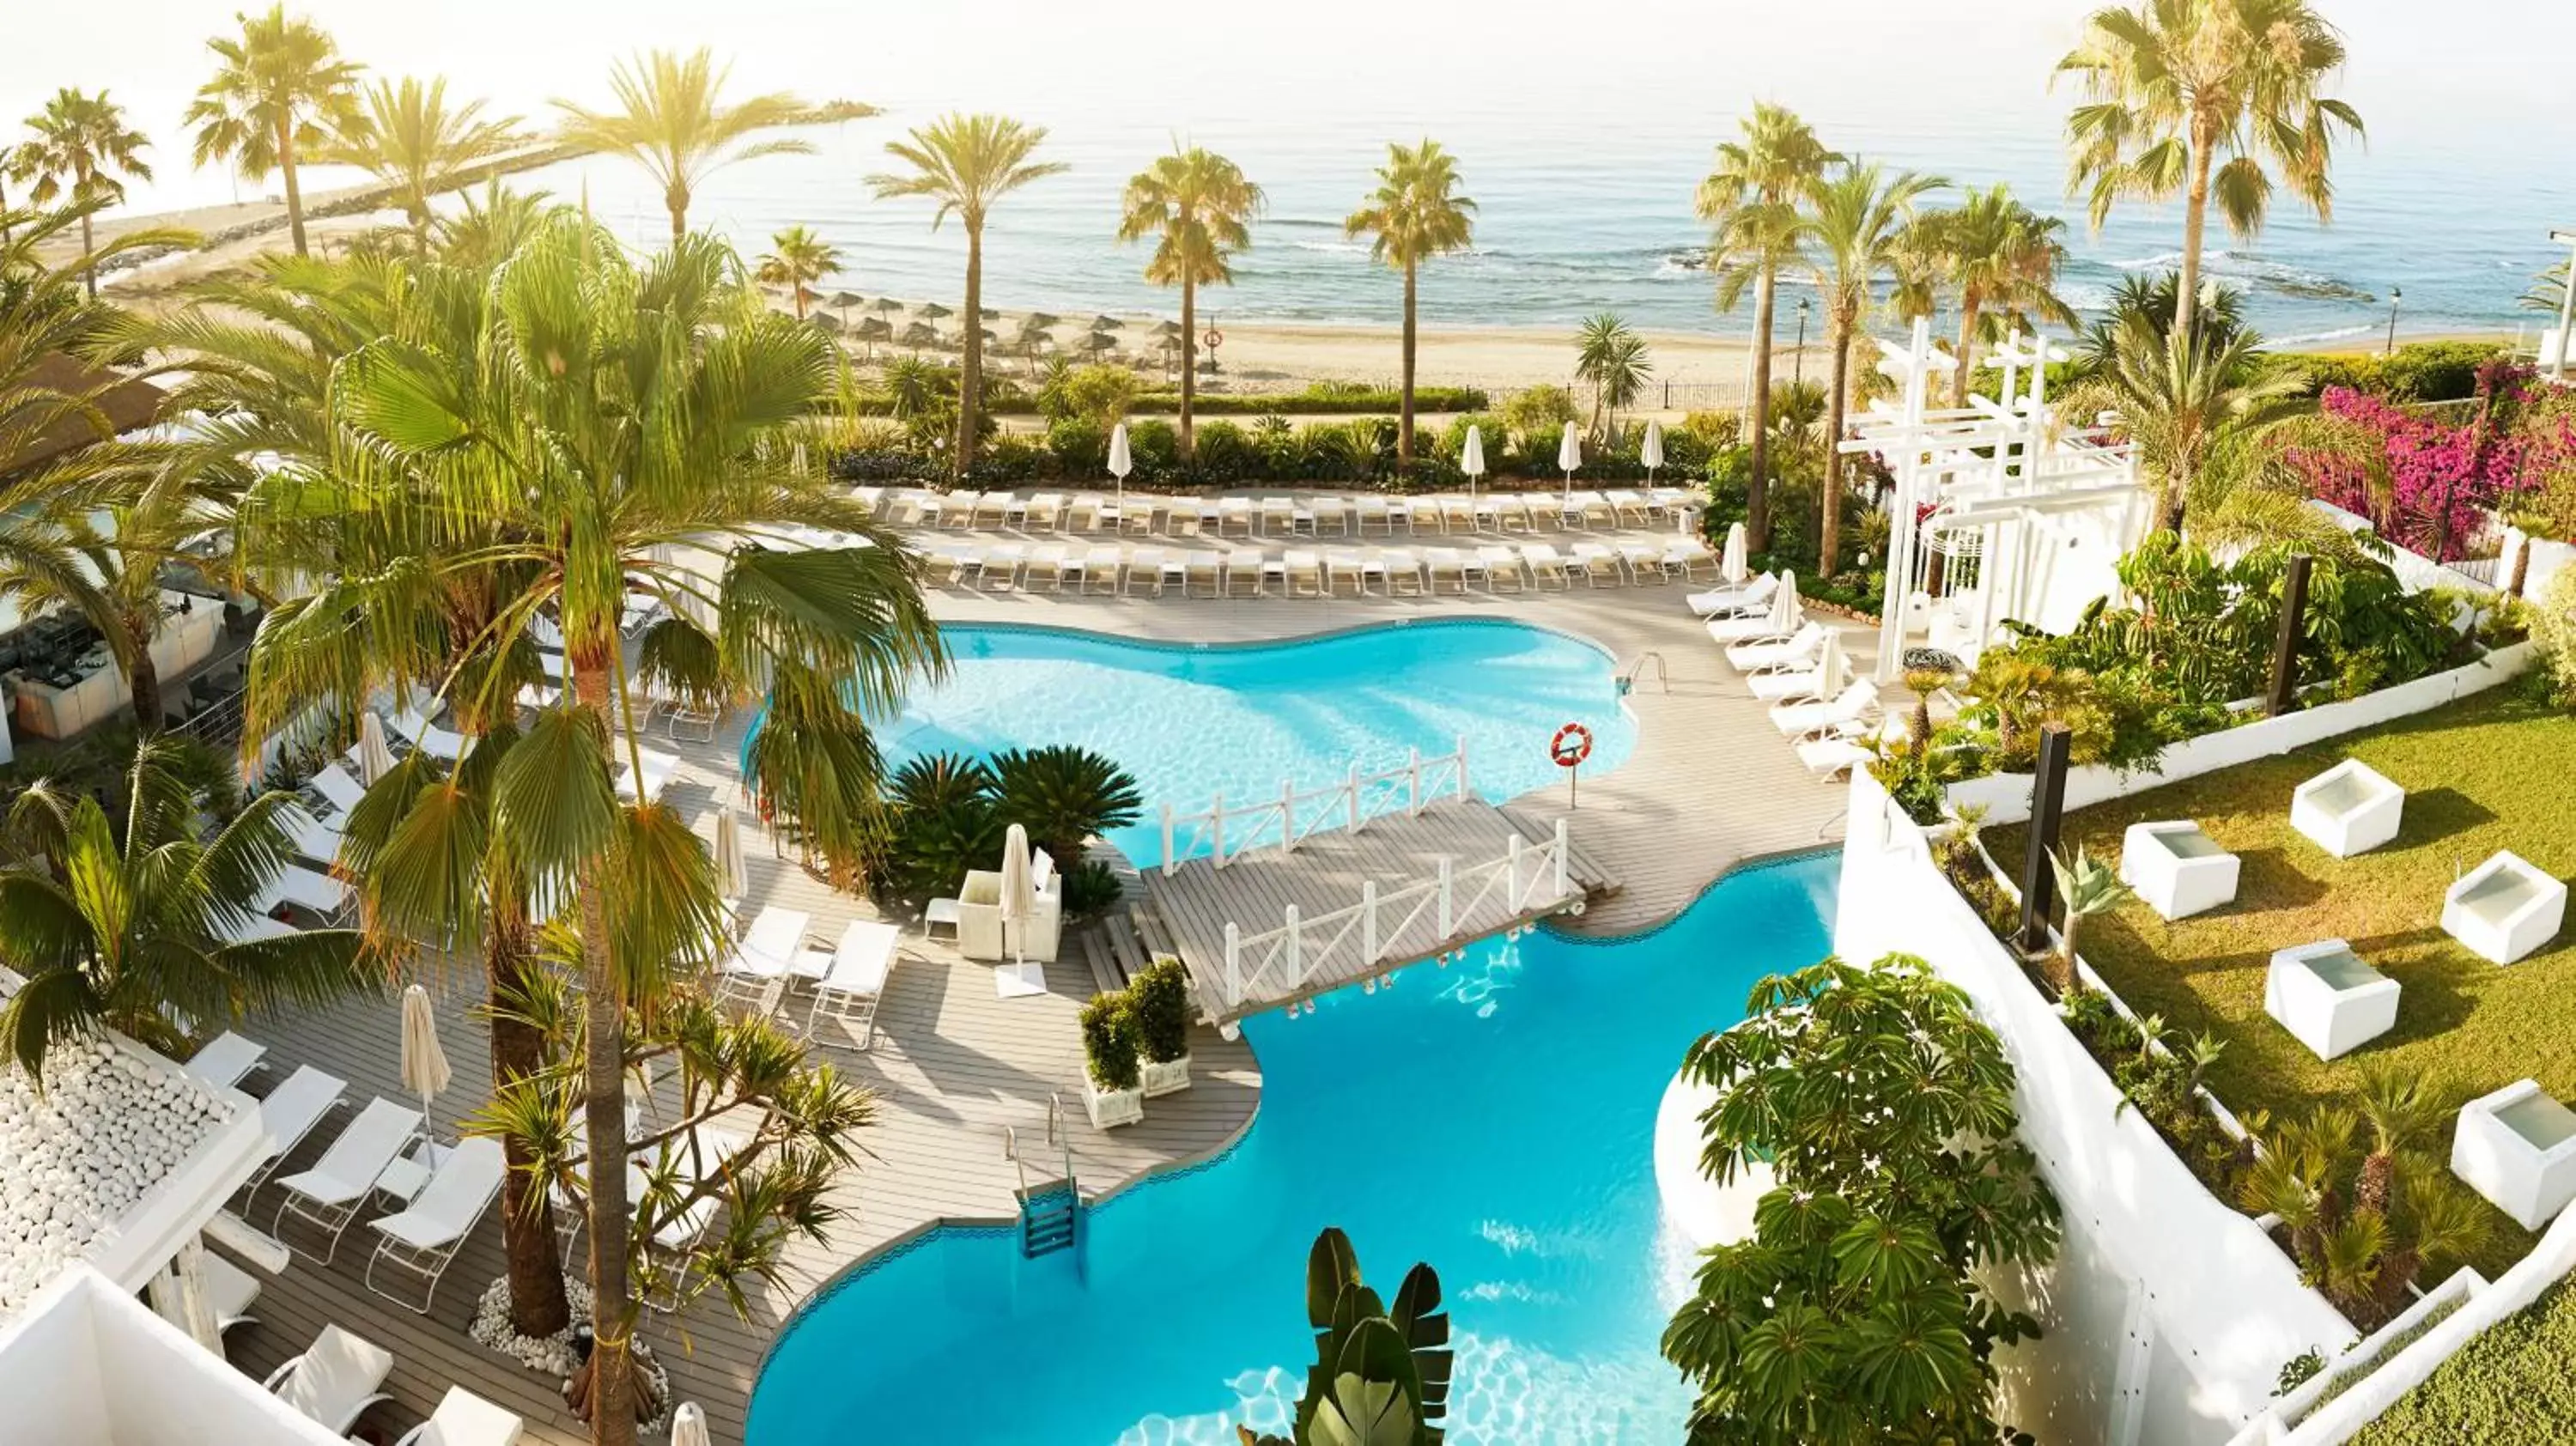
(919, 334)
(934, 311)
(826, 323)
(888, 305)
(1099, 341)
(1040, 318)
(842, 301)
(874, 329)
(1107, 323)
(989, 313)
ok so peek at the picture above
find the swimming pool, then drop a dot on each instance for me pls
(1195, 721)
(1494, 1118)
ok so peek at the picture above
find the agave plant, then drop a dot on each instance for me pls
(1381, 1372)
(2085, 886)
(1064, 797)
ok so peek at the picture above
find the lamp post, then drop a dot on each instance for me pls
(1800, 366)
(2396, 294)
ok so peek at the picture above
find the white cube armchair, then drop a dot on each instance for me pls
(2348, 809)
(2517, 1147)
(980, 933)
(2505, 908)
(2328, 998)
(2178, 869)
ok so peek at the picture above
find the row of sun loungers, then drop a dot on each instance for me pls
(772, 959)
(1308, 572)
(1831, 718)
(1143, 513)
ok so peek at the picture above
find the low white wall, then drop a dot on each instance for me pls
(2168, 1315)
(2418, 572)
(2547, 558)
(2006, 796)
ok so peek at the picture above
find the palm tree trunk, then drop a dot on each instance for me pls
(294, 188)
(1189, 358)
(676, 201)
(1829, 532)
(612, 1412)
(970, 374)
(538, 1306)
(145, 681)
(89, 253)
(1971, 308)
(1404, 416)
(1757, 491)
(2177, 497)
(2195, 223)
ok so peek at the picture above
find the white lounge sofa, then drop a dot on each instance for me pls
(2505, 908)
(2517, 1147)
(2348, 809)
(980, 934)
(2177, 868)
(2327, 998)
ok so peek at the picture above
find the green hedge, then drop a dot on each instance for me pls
(2507, 1387)
(1321, 400)
(2421, 371)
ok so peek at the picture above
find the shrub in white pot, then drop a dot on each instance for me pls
(1159, 997)
(1112, 1091)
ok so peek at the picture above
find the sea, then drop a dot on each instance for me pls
(1580, 132)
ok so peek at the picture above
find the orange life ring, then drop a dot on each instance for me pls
(1213, 339)
(1567, 757)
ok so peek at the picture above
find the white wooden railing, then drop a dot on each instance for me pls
(1350, 943)
(1224, 832)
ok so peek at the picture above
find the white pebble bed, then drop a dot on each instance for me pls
(77, 1156)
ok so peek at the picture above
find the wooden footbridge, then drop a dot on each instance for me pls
(1272, 903)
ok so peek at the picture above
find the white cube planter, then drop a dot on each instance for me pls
(2348, 809)
(2328, 998)
(1166, 1076)
(2517, 1147)
(2177, 868)
(1111, 1108)
(2504, 908)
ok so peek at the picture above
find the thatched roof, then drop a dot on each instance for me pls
(126, 402)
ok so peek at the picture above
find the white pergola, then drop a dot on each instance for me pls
(2002, 484)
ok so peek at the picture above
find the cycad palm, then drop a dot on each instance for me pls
(281, 90)
(2182, 394)
(671, 120)
(2001, 257)
(1414, 214)
(1198, 207)
(966, 163)
(408, 138)
(1749, 201)
(2171, 86)
(797, 259)
(1855, 232)
(81, 153)
(130, 926)
(1616, 361)
(556, 435)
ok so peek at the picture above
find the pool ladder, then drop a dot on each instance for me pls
(1663, 678)
(1050, 1217)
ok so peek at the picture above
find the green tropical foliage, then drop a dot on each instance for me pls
(417, 146)
(944, 824)
(1615, 361)
(1198, 208)
(671, 119)
(1064, 797)
(2000, 259)
(80, 153)
(797, 258)
(1415, 214)
(1858, 1311)
(1381, 1371)
(2086, 886)
(133, 923)
(279, 92)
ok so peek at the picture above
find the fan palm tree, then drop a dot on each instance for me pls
(671, 120)
(966, 163)
(1617, 362)
(1749, 201)
(554, 435)
(2158, 298)
(2172, 86)
(797, 259)
(1198, 207)
(2182, 394)
(1854, 226)
(281, 90)
(1414, 214)
(81, 153)
(405, 135)
(2001, 258)
(130, 924)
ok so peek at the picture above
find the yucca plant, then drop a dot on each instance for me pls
(2085, 886)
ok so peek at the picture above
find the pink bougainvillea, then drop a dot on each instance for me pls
(2447, 471)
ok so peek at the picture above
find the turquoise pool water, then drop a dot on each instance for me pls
(1193, 722)
(1494, 1118)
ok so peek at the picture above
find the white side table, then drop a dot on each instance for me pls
(942, 913)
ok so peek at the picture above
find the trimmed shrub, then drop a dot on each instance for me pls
(1159, 997)
(1109, 1042)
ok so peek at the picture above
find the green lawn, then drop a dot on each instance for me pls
(2507, 1387)
(2493, 772)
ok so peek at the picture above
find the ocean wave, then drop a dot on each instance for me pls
(1336, 248)
(2340, 333)
(2253, 271)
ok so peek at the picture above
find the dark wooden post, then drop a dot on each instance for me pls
(2047, 809)
(2285, 650)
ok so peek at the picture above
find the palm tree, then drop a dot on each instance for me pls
(2171, 86)
(1615, 360)
(1854, 234)
(2181, 395)
(797, 259)
(2001, 257)
(966, 163)
(81, 144)
(1198, 207)
(1414, 214)
(1749, 202)
(132, 923)
(416, 147)
(2158, 298)
(670, 121)
(569, 429)
(281, 90)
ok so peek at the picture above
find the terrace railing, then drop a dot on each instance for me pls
(1402, 924)
(1223, 832)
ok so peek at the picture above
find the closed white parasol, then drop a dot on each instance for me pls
(1121, 461)
(1569, 455)
(1652, 453)
(1731, 564)
(424, 1064)
(375, 758)
(1019, 903)
(1471, 458)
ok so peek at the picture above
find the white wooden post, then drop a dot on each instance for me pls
(1296, 949)
(1563, 885)
(1413, 773)
(1512, 874)
(1447, 925)
(1368, 921)
(1168, 862)
(1355, 798)
(1216, 827)
(1287, 816)
(1233, 966)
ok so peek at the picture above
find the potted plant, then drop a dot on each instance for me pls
(1159, 998)
(1111, 1089)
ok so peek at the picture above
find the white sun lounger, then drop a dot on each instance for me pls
(427, 736)
(766, 953)
(1193, 518)
(1136, 514)
(1304, 572)
(1045, 512)
(1373, 568)
(335, 1380)
(1250, 567)
(1100, 568)
(993, 509)
(423, 1238)
(1403, 567)
(289, 1114)
(1046, 565)
(1852, 705)
(943, 563)
(1145, 571)
(1681, 558)
(1484, 514)
(339, 788)
(1373, 512)
(1278, 517)
(1803, 644)
(1404, 513)
(230, 1293)
(1501, 565)
(1341, 565)
(1235, 512)
(849, 993)
(1083, 513)
(1203, 569)
(999, 566)
(1545, 565)
(225, 1059)
(1628, 504)
(659, 769)
(1791, 683)
(1446, 563)
(1833, 756)
(1598, 563)
(1330, 510)
(465, 1419)
(1725, 601)
(315, 893)
(328, 1195)
(1645, 561)
(1751, 628)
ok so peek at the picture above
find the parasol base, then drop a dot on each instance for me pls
(1019, 981)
